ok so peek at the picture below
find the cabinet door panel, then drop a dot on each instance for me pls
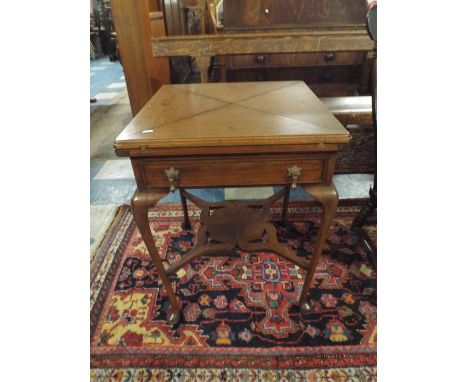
(273, 14)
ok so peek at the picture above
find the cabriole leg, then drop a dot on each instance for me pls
(328, 197)
(141, 202)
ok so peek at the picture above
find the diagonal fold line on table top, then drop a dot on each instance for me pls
(180, 119)
(284, 116)
(243, 84)
(306, 110)
(226, 103)
(155, 124)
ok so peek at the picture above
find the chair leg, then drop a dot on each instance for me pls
(367, 210)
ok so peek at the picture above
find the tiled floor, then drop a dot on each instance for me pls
(112, 182)
(106, 80)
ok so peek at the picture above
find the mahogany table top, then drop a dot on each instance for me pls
(230, 114)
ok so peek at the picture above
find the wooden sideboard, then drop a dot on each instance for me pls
(323, 41)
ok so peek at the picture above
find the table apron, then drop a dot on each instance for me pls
(225, 171)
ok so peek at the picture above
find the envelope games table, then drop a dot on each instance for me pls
(232, 135)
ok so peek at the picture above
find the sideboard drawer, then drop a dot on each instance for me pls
(294, 59)
(312, 75)
(232, 171)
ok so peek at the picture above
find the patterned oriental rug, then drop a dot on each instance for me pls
(239, 321)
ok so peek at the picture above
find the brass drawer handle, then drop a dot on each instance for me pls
(172, 175)
(293, 173)
(260, 58)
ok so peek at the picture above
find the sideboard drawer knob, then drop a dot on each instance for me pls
(172, 175)
(327, 77)
(330, 56)
(293, 173)
(260, 58)
(266, 11)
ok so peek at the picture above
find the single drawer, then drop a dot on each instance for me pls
(230, 171)
(280, 60)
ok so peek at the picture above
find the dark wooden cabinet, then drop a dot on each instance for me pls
(327, 73)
